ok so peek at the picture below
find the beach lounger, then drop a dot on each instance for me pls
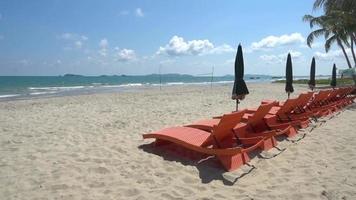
(220, 141)
(282, 115)
(320, 105)
(253, 125)
(300, 108)
(256, 125)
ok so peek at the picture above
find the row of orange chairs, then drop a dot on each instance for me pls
(232, 136)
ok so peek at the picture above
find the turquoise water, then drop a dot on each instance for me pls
(15, 87)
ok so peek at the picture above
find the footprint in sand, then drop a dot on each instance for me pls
(99, 170)
(31, 157)
(96, 184)
(59, 187)
(285, 170)
(169, 196)
(184, 191)
(131, 192)
(189, 180)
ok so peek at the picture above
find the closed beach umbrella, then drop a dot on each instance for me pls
(311, 82)
(333, 77)
(239, 90)
(289, 76)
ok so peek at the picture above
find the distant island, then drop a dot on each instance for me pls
(72, 75)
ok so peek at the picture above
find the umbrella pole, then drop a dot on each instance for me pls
(237, 104)
(288, 95)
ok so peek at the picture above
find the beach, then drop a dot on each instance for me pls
(91, 147)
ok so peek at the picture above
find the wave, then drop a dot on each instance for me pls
(9, 95)
(42, 93)
(57, 88)
(123, 85)
(175, 83)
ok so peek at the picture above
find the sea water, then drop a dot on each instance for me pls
(24, 87)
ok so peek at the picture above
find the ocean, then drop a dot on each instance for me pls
(25, 87)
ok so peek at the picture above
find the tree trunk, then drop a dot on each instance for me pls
(352, 48)
(345, 54)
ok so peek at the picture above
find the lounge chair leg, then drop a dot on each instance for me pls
(291, 132)
(233, 162)
(269, 143)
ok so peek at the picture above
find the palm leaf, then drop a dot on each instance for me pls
(329, 42)
(315, 34)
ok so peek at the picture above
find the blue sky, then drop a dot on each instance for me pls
(54, 37)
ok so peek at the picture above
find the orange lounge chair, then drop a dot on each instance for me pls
(295, 108)
(334, 100)
(319, 104)
(282, 115)
(254, 126)
(221, 141)
(344, 97)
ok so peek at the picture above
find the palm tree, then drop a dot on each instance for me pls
(340, 17)
(332, 31)
(331, 5)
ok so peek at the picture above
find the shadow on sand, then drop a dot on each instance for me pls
(209, 167)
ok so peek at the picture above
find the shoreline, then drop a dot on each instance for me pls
(107, 89)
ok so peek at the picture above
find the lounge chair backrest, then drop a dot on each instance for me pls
(225, 127)
(335, 93)
(261, 112)
(303, 99)
(344, 92)
(321, 95)
(287, 107)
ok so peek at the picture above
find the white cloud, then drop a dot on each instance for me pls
(67, 36)
(295, 54)
(271, 58)
(125, 55)
(78, 44)
(280, 58)
(275, 41)
(24, 62)
(139, 12)
(75, 39)
(73, 36)
(104, 43)
(84, 38)
(331, 55)
(225, 48)
(177, 46)
(313, 45)
(230, 61)
(103, 52)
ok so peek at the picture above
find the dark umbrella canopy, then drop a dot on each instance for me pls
(311, 82)
(240, 89)
(333, 77)
(289, 76)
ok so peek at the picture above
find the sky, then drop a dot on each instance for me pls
(92, 37)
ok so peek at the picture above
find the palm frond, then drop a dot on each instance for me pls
(315, 34)
(329, 42)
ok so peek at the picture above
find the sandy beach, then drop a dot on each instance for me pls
(91, 147)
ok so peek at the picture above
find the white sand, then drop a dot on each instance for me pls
(88, 147)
